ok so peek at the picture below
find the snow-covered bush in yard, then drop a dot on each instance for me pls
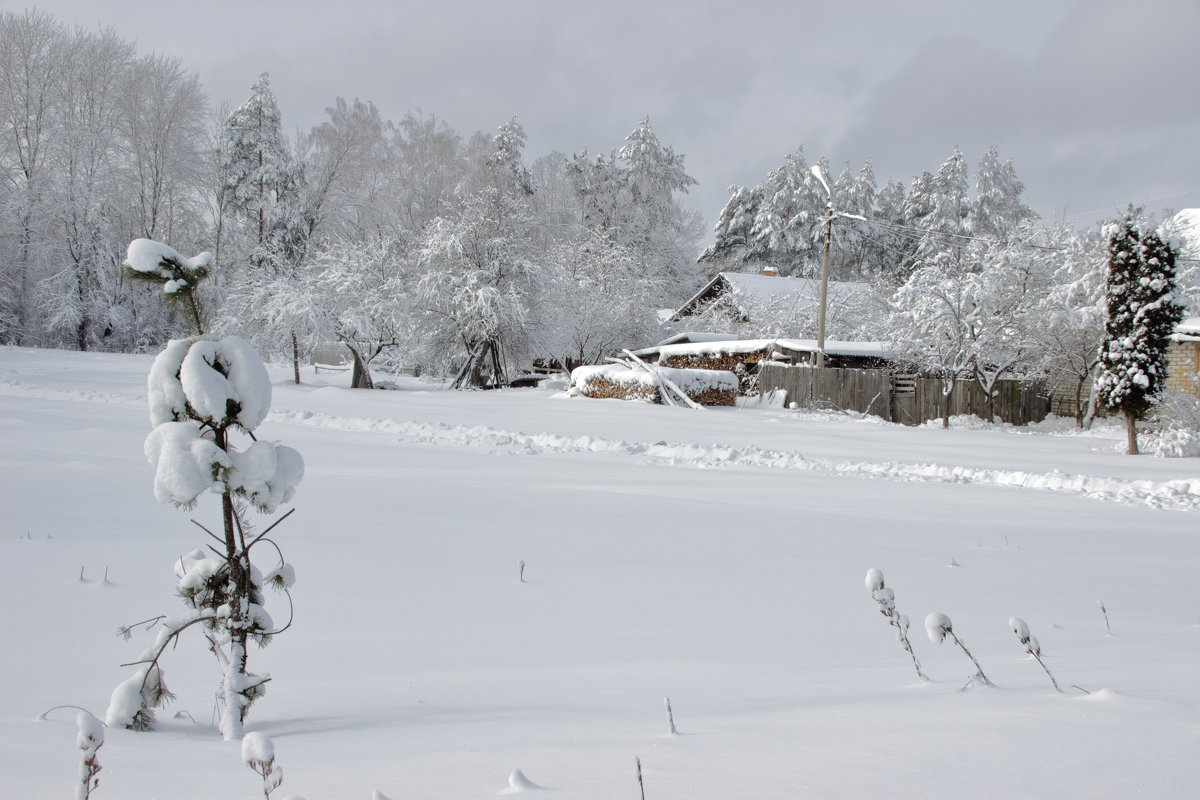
(1176, 423)
(885, 598)
(204, 394)
(938, 627)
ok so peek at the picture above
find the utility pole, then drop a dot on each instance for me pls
(820, 361)
(824, 285)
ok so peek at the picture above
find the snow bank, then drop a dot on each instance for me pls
(1180, 494)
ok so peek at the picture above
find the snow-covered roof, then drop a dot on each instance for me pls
(737, 346)
(1187, 331)
(756, 290)
(683, 337)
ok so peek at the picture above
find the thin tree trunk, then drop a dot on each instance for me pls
(1131, 433)
(1079, 403)
(947, 391)
(234, 686)
(296, 357)
(360, 378)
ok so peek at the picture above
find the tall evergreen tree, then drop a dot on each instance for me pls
(1142, 313)
(260, 182)
(998, 208)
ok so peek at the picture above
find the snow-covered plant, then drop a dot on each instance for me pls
(258, 751)
(155, 262)
(938, 627)
(1031, 645)
(1177, 423)
(670, 716)
(205, 394)
(885, 598)
(90, 740)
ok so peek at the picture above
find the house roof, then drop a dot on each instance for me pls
(1187, 331)
(736, 346)
(684, 337)
(750, 291)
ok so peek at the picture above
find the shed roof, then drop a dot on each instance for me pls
(754, 290)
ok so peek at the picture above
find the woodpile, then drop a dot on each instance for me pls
(652, 384)
(740, 364)
(611, 384)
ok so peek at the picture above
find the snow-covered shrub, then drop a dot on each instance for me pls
(938, 627)
(1031, 645)
(204, 395)
(1176, 422)
(885, 598)
(258, 751)
(90, 740)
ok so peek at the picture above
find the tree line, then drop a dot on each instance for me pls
(463, 252)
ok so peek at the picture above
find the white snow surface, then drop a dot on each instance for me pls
(668, 553)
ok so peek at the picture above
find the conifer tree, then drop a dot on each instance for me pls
(1142, 313)
(206, 395)
(260, 181)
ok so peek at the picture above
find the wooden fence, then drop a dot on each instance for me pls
(901, 398)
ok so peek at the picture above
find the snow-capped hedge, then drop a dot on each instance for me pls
(704, 386)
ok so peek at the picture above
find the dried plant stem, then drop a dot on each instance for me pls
(979, 670)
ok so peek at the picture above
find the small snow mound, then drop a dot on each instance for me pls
(517, 782)
(1102, 696)
(378, 795)
(257, 748)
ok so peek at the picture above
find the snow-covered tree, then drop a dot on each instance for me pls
(162, 121)
(207, 396)
(998, 208)
(1067, 322)
(732, 236)
(348, 161)
(1004, 283)
(79, 297)
(505, 161)
(357, 293)
(939, 207)
(932, 323)
(30, 64)
(593, 303)
(260, 181)
(633, 198)
(1142, 313)
(476, 283)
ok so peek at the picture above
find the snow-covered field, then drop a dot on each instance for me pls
(715, 557)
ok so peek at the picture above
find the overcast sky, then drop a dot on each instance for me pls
(1097, 102)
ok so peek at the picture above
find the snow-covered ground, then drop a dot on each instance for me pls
(714, 557)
